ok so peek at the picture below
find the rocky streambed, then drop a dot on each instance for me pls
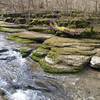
(48, 67)
(17, 81)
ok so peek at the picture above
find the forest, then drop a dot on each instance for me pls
(14, 6)
(49, 49)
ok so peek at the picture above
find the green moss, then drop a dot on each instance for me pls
(88, 33)
(25, 51)
(66, 42)
(28, 37)
(9, 30)
(74, 22)
(72, 51)
(19, 40)
(40, 22)
(51, 69)
(45, 47)
(40, 53)
(35, 57)
(54, 56)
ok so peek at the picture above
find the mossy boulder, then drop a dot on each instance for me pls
(79, 23)
(55, 62)
(65, 55)
(64, 64)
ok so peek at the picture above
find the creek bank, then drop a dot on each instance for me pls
(77, 86)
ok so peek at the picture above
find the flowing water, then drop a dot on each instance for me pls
(17, 82)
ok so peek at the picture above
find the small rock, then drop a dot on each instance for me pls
(95, 62)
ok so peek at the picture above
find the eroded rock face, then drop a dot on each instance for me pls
(95, 62)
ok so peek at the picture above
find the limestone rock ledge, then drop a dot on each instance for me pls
(66, 55)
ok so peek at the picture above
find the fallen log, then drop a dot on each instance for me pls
(66, 30)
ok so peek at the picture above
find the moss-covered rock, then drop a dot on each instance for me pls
(74, 32)
(9, 30)
(19, 40)
(25, 51)
(40, 52)
(79, 23)
(69, 42)
(29, 37)
(74, 22)
(54, 62)
(38, 29)
(64, 64)
(65, 55)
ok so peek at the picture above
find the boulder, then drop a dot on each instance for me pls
(65, 63)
